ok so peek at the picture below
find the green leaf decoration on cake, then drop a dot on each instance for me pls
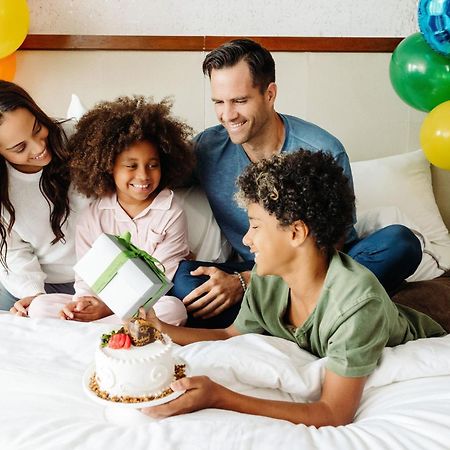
(107, 336)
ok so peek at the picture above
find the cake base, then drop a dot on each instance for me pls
(91, 389)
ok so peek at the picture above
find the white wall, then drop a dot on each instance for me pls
(348, 94)
(230, 17)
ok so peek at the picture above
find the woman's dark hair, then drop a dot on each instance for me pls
(112, 126)
(303, 185)
(258, 59)
(55, 179)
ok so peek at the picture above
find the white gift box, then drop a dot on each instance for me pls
(132, 285)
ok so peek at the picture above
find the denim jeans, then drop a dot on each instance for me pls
(184, 283)
(392, 254)
(7, 300)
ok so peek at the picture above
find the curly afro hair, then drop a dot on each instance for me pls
(303, 185)
(112, 126)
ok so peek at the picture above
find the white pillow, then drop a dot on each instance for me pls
(76, 109)
(374, 219)
(403, 181)
(205, 237)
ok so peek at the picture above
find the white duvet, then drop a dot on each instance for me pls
(406, 402)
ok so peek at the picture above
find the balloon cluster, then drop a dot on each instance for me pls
(14, 20)
(420, 74)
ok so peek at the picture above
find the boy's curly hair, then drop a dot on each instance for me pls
(113, 126)
(303, 185)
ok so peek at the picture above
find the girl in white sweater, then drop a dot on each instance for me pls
(37, 204)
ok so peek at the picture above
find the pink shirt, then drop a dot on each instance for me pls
(160, 230)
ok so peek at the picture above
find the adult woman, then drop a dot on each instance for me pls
(38, 206)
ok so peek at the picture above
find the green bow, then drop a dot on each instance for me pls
(131, 252)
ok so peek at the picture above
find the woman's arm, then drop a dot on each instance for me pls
(24, 277)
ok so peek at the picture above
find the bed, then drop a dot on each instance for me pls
(405, 405)
(406, 401)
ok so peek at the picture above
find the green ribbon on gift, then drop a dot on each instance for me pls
(131, 252)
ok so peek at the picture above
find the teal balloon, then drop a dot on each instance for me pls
(419, 75)
(434, 23)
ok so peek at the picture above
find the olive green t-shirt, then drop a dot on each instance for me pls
(353, 321)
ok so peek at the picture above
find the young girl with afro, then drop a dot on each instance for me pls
(127, 154)
(302, 289)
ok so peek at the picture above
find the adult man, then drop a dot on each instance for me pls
(242, 75)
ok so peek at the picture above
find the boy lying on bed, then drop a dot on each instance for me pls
(299, 206)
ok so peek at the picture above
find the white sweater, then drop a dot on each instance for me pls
(32, 259)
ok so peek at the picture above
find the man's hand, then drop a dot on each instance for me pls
(214, 296)
(85, 309)
(201, 393)
(20, 307)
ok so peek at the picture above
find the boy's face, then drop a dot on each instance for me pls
(23, 141)
(240, 107)
(270, 242)
(137, 174)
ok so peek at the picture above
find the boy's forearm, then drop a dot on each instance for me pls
(337, 405)
(316, 414)
(184, 335)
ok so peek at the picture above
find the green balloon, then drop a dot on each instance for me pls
(419, 75)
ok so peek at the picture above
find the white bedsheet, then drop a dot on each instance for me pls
(406, 402)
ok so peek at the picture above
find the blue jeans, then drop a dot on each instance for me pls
(392, 254)
(184, 283)
(7, 300)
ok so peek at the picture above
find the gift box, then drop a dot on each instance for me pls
(122, 275)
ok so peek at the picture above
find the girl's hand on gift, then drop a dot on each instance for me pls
(20, 307)
(67, 313)
(85, 309)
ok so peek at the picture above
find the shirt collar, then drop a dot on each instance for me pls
(163, 201)
(14, 173)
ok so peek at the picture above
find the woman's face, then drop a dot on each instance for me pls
(23, 141)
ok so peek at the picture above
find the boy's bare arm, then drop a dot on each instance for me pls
(184, 335)
(337, 405)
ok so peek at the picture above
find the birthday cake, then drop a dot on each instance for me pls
(134, 364)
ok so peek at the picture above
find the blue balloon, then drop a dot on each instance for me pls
(434, 23)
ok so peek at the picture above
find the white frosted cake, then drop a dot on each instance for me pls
(132, 368)
(136, 371)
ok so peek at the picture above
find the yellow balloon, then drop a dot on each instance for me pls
(8, 67)
(14, 21)
(435, 136)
